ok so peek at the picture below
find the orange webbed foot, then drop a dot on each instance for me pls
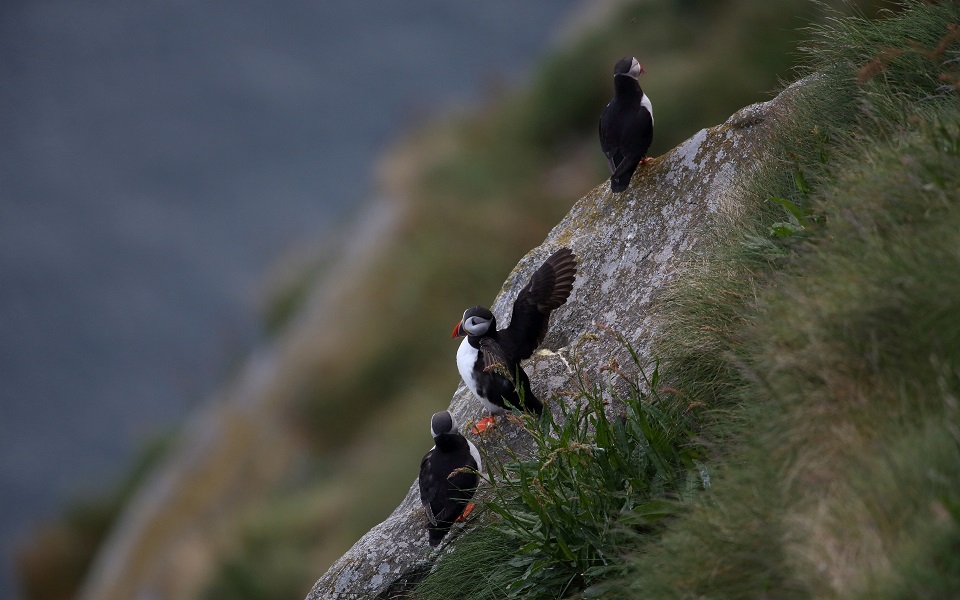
(484, 424)
(466, 513)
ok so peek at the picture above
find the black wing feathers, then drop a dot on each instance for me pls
(444, 492)
(547, 290)
(627, 146)
(494, 359)
(428, 488)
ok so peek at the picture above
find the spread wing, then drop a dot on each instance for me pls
(547, 289)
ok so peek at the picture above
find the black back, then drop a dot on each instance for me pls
(626, 129)
(443, 496)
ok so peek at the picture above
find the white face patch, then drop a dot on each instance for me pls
(476, 326)
(635, 69)
(645, 102)
(453, 426)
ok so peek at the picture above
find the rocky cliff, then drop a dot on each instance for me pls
(630, 246)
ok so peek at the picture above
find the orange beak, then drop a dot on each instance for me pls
(458, 331)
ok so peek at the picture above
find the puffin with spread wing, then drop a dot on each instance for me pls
(489, 359)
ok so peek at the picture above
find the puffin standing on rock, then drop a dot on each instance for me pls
(448, 476)
(489, 360)
(626, 124)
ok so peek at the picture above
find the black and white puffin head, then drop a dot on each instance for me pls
(442, 423)
(628, 66)
(476, 321)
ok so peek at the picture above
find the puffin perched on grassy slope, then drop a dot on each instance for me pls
(626, 124)
(445, 494)
(489, 360)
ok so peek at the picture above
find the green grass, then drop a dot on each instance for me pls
(616, 462)
(476, 570)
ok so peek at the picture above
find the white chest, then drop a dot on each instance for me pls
(466, 359)
(645, 102)
(476, 455)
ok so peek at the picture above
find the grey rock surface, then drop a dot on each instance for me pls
(629, 246)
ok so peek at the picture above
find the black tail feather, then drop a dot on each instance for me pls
(620, 180)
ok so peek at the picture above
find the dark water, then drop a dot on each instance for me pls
(156, 158)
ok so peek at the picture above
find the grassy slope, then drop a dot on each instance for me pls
(843, 375)
(828, 356)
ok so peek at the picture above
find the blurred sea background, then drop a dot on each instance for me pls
(158, 160)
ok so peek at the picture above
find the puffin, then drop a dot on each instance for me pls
(448, 476)
(626, 124)
(489, 359)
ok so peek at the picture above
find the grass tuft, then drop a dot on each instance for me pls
(604, 469)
